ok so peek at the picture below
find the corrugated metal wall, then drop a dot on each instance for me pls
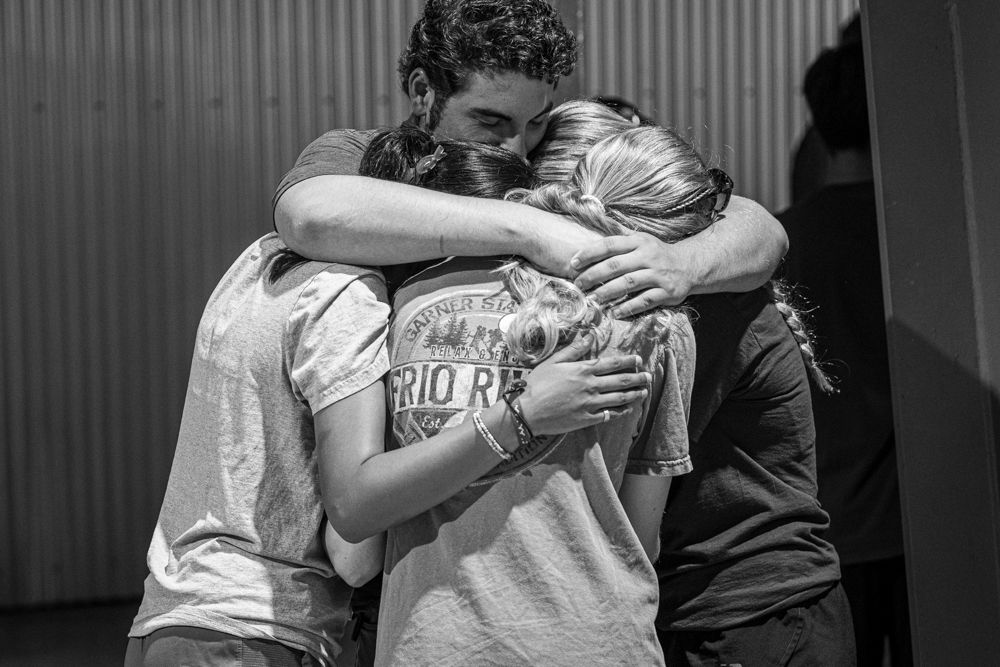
(140, 141)
(726, 73)
(140, 145)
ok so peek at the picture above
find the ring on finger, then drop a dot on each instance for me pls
(607, 416)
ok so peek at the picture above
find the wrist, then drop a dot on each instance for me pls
(697, 267)
(501, 425)
(526, 228)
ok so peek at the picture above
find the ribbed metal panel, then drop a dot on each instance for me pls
(726, 73)
(141, 142)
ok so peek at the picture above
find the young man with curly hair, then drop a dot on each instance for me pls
(487, 70)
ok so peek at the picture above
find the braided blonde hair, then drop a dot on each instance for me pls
(781, 295)
(623, 184)
(553, 309)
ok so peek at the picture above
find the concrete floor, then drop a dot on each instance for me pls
(67, 636)
(79, 636)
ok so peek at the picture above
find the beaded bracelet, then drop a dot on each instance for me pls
(477, 419)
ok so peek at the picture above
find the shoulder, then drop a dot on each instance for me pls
(345, 140)
(344, 284)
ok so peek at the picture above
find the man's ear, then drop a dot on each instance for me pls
(421, 97)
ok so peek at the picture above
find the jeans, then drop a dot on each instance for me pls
(818, 633)
(182, 645)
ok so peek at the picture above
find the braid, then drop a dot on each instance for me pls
(780, 295)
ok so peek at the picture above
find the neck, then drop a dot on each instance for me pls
(849, 166)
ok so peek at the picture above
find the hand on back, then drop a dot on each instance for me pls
(565, 393)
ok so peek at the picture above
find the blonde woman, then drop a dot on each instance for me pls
(746, 575)
(547, 559)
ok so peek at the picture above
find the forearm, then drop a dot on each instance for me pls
(644, 497)
(738, 253)
(394, 486)
(368, 221)
(357, 564)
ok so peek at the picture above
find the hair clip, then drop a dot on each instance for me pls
(428, 162)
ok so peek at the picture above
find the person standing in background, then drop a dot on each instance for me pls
(834, 256)
(810, 158)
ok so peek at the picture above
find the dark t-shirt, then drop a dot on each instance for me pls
(742, 534)
(335, 153)
(834, 259)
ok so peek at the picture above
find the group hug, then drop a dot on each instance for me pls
(509, 384)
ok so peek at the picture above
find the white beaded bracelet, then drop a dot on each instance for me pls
(477, 419)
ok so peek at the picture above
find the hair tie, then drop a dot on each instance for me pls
(428, 162)
(593, 198)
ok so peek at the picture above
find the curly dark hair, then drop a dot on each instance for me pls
(455, 38)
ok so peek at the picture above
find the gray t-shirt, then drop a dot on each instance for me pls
(539, 565)
(238, 547)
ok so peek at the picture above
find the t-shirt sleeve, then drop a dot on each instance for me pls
(662, 449)
(336, 153)
(337, 336)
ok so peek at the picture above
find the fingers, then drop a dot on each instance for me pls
(647, 300)
(608, 415)
(601, 271)
(616, 364)
(602, 250)
(617, 399)
(622, 286)
(577, 349)
(622, 382)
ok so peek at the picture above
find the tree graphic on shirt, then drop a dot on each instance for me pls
(454, 331)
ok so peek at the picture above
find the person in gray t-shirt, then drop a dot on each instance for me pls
(283, 425)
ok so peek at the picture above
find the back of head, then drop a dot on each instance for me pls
(409, 155)
(456, 38)
(574, 126)
(835, 90)
(643, 179)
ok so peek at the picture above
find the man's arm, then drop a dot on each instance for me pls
(738, 253)
(367, 221)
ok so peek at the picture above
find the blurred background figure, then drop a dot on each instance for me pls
(811, 155)
(834, 257)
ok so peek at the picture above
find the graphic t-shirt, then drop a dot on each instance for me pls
(537, 564)
(237, 547)
(742, 535)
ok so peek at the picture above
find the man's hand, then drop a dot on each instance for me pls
(649, 272)
(737, 253)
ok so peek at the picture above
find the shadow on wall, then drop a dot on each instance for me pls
(946, 434)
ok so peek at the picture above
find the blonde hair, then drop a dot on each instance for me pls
(574, 127)
(781, 295)
(553, 310)
(624, 183)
